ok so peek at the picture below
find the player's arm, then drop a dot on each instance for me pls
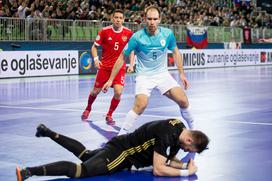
(131, 62)
(116, 68)
(265, 40)
(179, 63)
(176, 163)
(268, 40)
(94, 52)
(160, 168)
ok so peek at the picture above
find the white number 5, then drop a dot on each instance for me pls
(116, 45)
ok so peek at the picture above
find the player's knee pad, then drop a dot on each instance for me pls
(83, 171)
(95, 166)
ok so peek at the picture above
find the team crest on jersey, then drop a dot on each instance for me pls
(97, 37)
(124, 38)
(163, 42)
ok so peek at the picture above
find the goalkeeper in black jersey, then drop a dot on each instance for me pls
(155, 143)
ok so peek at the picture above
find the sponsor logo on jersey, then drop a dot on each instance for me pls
(174, 122)
(109, 38)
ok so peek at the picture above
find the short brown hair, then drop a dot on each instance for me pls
(118, 11)
(200, 140)
(153, 7)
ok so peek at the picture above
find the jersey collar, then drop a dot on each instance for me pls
(158, 30)
(117, 31)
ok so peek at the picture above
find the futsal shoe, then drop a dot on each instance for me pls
(109, 120)
(85, 115)
(22, 174)
(41, 130)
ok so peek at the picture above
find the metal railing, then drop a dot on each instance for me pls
(15, 29)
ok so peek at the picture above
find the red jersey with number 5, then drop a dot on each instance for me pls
(113, 43)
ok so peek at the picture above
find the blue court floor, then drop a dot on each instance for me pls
(233, 106)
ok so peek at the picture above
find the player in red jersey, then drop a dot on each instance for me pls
(112, 39)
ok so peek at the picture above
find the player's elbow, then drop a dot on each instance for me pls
(157, 171)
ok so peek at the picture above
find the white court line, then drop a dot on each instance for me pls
(76, 110)
(254, 123)
(145, 115)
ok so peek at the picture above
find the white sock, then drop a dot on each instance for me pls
(186, 115)
(130, 119)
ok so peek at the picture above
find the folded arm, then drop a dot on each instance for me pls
(160, 168)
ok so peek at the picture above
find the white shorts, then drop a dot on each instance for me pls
(161, 81)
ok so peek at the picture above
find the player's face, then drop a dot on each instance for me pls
(188, 146)
(152, 21)
(118, 20)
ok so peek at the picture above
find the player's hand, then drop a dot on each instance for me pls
(192, 167)
(97, 64)
(106, 86)
(130, 69)
(184, 80)
(261, 40)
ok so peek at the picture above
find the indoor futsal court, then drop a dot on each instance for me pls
(233, 106)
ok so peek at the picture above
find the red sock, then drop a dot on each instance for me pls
(90, 102)
(113, 106)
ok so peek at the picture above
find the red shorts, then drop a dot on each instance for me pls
(103, 75)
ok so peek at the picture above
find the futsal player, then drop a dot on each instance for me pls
(155, 143)
(112, 39)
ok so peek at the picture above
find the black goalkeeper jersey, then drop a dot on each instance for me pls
(138, 147)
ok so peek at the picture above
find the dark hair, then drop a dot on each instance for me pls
(118, 11)
(153, 7)
(200, 140)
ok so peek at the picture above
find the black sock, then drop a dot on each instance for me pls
(55, 169)
(70, 144)
(49, 133)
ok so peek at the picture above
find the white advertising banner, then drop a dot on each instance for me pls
(225, 57)
(38, 63)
